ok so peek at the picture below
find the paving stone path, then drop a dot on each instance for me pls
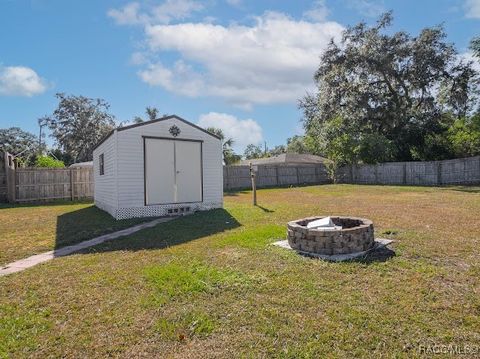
(31, 261)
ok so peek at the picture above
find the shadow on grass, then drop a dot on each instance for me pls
(58, 202)
(235, 193)
(87, 223)
(467, 189)
(177, 231)
(265, 209)
(382, 254)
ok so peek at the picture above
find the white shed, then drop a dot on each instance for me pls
(162, 167)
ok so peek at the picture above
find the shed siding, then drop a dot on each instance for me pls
(105, 186)
(131, 166)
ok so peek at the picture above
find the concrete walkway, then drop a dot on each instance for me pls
(23, 264)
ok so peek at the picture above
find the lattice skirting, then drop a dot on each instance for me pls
(163, 210)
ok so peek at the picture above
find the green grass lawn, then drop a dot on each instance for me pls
(210, 285)
(31, 229)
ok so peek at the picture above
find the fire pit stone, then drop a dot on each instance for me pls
(356, 235)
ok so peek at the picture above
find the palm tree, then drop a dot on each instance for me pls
(229, 157)
(152, 114)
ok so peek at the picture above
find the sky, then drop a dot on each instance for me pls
(240, 65)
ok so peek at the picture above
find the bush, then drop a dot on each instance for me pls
(50, 162)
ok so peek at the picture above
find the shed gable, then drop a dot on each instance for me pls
(176, 120)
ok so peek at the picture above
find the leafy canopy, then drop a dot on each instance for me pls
(229, 156)
(383, 96)
(475, 46)
(49, 162)
(252, 151)
(18, 142)
(152, 114)
(79, 123)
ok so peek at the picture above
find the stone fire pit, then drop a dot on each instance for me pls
(355, 236)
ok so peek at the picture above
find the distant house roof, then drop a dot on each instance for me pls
(82, 164)
(286, 158)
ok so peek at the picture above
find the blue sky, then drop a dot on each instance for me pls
(237, 64)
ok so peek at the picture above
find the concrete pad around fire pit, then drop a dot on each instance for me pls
(379, 243)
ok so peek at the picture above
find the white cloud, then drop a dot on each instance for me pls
(369, 8)
(139, 58)
(319, 12)
(243, 132)
(175, 9)
(234, 2)
(164, 13)
(181, 78)
(128, 15)
(20, 81)
(271, 61)
(472, 9)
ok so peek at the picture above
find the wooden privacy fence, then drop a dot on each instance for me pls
(460, 171)
(19, 185)
(45, 184)
(238, 177)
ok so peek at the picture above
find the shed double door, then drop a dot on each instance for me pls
(173, 171)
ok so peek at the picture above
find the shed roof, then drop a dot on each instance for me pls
(153, 121)
(286, 158)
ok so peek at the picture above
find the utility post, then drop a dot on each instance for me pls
(254, 185)
(42, 122)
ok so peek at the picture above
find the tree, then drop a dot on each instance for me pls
(152, 114)
(475, 46)
(380, 95)
(277, 150)
(65, 157)
(296, 144)
(49, 162)
(229, 156)
(18, 142)
(252, 152)
(79, 123)
(464, 136)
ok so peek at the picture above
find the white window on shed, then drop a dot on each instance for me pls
(101, 164)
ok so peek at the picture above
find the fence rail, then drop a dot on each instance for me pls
(460, 171)
(35, 184)
(46, 184)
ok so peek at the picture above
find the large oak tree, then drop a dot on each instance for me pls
(18, 142)
(79, 123)
(385, 96)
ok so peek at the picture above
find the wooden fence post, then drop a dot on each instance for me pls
(10, 177)
(439, 173)
(72, 196)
